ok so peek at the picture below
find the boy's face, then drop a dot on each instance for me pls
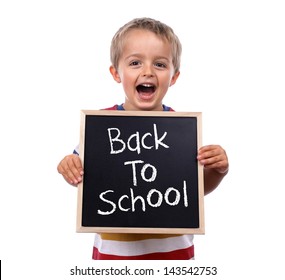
(145, 70)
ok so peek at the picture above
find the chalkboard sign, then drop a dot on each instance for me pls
(141, 174)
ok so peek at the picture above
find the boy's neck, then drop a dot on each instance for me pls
(163, 108)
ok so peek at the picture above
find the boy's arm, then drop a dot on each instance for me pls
(216, 166)
(70, 167)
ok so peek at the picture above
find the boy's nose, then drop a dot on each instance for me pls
(147, 72)
(148, 75)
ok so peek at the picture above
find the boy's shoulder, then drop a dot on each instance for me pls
(115, 107)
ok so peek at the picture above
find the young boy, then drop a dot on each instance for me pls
(145, 56)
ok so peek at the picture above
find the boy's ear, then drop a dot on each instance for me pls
(174, 78)
(115, 74)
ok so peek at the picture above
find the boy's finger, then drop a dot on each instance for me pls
(73, 172)
(78, 164)
(72, 176)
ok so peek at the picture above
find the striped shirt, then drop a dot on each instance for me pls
(128, 246)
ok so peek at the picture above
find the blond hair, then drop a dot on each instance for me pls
(155, 26)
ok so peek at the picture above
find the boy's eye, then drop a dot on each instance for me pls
(134, 63)
(160, 65)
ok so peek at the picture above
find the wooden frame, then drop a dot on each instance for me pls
(140, 115)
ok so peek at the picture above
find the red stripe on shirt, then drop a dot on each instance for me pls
(182, 254)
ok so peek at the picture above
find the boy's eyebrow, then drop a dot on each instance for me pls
(141, 56)
(133, 55)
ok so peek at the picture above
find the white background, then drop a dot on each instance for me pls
(54, 59)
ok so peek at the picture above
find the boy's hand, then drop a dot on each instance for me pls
(71, 169)
(213, 157)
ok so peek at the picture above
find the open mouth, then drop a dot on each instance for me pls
(146, 88)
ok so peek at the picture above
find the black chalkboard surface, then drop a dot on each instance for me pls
(141, 174)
